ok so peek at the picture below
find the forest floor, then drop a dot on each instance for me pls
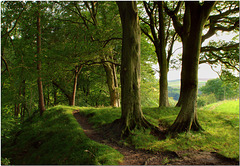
(134, 156)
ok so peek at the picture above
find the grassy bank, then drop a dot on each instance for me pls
(56, 138)
(220, 121)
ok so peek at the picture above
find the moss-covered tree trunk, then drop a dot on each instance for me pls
(39, 63)
(112, 84)
(132, 115)
(194, 19)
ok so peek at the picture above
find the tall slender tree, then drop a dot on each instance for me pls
(157, 27)
(39, 63)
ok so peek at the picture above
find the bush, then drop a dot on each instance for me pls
(206, 99)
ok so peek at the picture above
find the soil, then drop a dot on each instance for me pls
(134, 156)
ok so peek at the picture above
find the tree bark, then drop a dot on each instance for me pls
(162, 60)
(112, 84)
(132, 115)
(76, 73)
(39, 63)
(194, 19)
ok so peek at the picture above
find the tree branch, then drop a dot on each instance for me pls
(213, 26)
(176, 23)
(220, 59)
(2, 36)
(218, 16)
(67, 94)
(150, 15)
(150, 37)
(5, 62)
(223, 48)
(108, 40)
(179, 5)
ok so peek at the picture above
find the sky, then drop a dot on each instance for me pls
(204, 72)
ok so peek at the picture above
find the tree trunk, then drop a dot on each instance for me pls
(112, 85)
(76, 73)
(16, 110)
(159, 37)
(116, 86)
(54, 96)
(194, 19)
(162, 60)
(24, 104)
(39, 64)
(74, 90)
(132, 115)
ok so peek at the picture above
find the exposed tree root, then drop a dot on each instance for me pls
(121, 130)
(180, 126)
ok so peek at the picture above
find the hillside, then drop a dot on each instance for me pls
(57, 138)
(176, 83)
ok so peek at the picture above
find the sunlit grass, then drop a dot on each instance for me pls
(57, 138)
(219, 120)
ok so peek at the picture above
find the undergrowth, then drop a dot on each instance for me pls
(57, 138)
(220, 122)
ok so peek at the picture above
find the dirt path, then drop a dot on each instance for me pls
(143, 157)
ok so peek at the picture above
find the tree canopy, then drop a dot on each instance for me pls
(72, 53)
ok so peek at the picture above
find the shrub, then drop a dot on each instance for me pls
(206, 99)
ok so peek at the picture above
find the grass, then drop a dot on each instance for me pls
(57, 138)
(220, 121)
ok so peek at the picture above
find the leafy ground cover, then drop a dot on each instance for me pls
(220, 122)
(57, 138)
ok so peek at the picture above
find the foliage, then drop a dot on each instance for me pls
(220, 121)
(9, 123)
(222, 90)
(174, 93)
(206, 99)
(57, 138)
(5, 161)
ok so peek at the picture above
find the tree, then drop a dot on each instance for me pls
(19, 83)
(190, 31)
(224, 18)
(160, 37)
(221, 89)
(99, 33)
(39, 63)
(132, 116)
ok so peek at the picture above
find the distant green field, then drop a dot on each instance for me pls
(176, 83)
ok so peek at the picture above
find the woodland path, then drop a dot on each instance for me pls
(144, 157)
